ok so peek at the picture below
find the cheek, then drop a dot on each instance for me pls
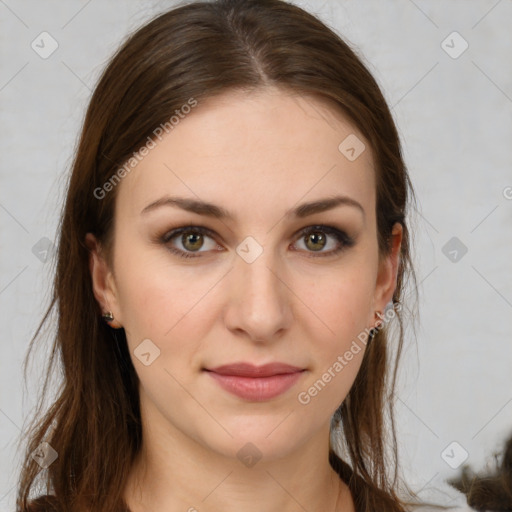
(338, 331)
(340, 303)
(159, 299)
(176, 307)
(337, 355)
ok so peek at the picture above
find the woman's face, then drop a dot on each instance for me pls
(252, 286)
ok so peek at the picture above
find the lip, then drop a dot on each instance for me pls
(256, 383)
(250, 370)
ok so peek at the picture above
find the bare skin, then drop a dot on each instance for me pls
(298, 302)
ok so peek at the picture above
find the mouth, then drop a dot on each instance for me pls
(256, 383)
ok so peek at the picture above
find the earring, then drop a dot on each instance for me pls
(373, 330)
(108, 316)
(379, 315)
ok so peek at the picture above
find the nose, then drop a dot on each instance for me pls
(259, 302)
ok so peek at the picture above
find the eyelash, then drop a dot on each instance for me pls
(343, 239)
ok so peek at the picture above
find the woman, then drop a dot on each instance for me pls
(233, 246)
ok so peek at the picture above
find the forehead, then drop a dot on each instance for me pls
(243, 149)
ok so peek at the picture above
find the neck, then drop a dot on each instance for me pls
(186, 476)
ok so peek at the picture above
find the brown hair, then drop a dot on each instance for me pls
(492, 491)
(200, 50)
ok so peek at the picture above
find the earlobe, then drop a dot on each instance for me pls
(102, 281)
(388, 271)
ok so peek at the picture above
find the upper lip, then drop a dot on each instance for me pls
(250, 370)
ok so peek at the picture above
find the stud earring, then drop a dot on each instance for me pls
(379, 316)
(108, 316)
(373, 330)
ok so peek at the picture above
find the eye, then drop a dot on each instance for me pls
(315, 238)
(191, 239)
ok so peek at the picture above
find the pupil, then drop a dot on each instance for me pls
(192, 238)
(317, 238)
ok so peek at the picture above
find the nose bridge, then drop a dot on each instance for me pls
(259, 303)
(256, 269)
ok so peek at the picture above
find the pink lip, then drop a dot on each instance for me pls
(250, 370)
(256, 383)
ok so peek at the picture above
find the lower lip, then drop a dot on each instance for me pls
(257, 389)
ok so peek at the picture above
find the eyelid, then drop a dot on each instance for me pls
(176, 232)
(339, 234)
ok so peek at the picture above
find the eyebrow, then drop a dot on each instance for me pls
(212, 210)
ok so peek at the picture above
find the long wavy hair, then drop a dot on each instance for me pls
(199, 50)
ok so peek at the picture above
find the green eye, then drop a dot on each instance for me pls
(316, 238)
(192, 240)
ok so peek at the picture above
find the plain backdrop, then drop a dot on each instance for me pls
(445, 68)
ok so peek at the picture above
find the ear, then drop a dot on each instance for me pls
(103, 283)
(388, 271)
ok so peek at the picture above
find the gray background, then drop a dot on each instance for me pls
(455, 119)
